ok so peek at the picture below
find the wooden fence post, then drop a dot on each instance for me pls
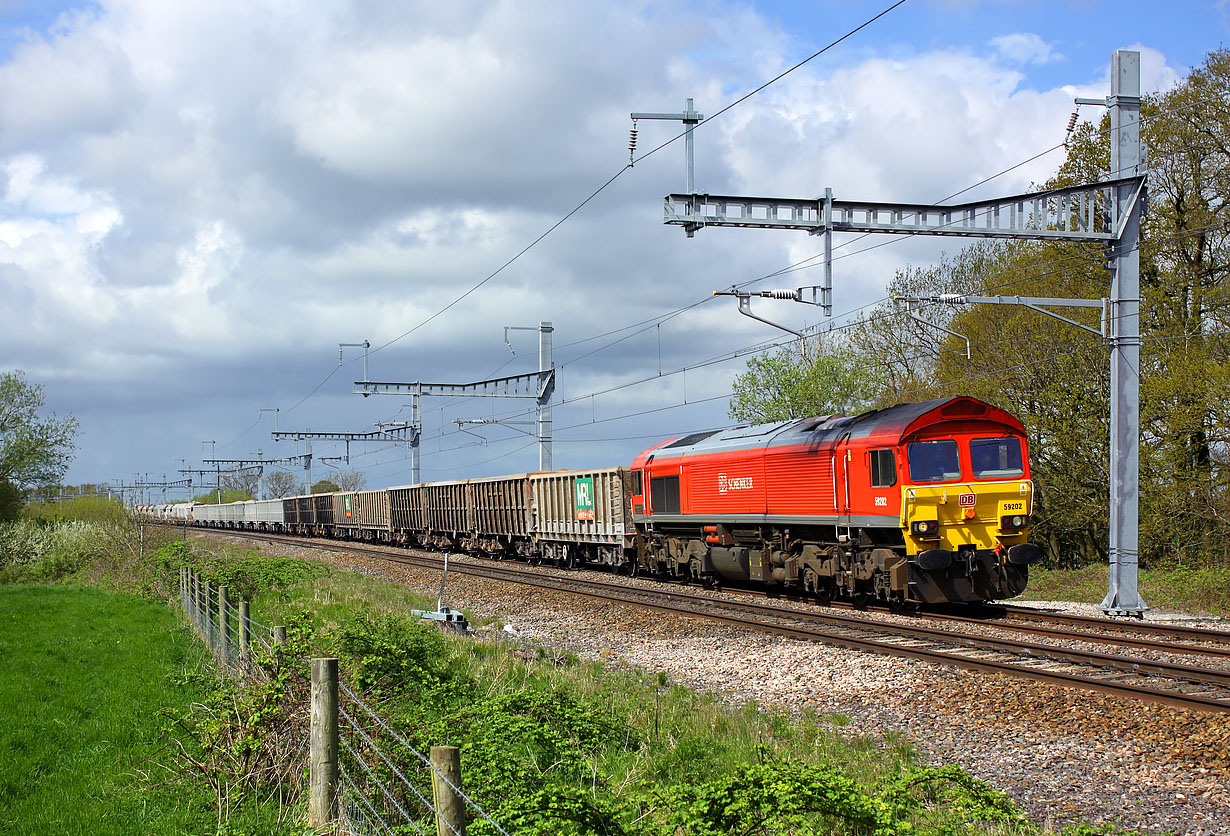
(450, 809)
(322, 751)
(279, 634)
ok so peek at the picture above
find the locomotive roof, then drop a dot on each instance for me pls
(889, 424)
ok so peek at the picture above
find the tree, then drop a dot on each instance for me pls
(351, 480)
(211, 497)
(280, 483)
(245, 481)
(814, 377)
(33, 450)
(325, 486)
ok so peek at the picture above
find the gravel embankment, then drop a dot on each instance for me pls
(1065, 756)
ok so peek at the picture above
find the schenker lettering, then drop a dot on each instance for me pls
(725, 483)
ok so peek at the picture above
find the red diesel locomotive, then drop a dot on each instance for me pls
(917, 503)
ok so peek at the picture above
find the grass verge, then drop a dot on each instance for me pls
(90, 677)
(1173, 587)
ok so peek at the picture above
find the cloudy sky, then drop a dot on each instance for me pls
(200, 200)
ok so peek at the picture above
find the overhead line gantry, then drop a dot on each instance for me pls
(1108, 212)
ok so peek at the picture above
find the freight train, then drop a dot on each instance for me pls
(918, 503)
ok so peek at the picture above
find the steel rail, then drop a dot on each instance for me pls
(1024, 653)
(1217, 643)
(1172, 630)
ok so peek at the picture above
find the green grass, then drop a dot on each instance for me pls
(88, 674)
(1172, 587)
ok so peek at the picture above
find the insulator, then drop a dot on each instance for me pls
(781, 294)
(951, 298)
(1071, 126)
(632, 143)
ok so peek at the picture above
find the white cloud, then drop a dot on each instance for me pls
(1025, 48)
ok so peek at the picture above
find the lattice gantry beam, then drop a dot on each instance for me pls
(531, 385)
(1078, 213)
(396, 433)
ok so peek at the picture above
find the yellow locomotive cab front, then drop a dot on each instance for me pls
(985, 515)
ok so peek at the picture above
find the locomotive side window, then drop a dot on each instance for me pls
(933, 461)
(637, 486)
(883, 469)
(664, 494)
(996, 457)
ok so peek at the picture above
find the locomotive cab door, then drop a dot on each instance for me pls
(842, 500)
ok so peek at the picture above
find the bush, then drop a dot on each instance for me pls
(247, 573)
(98, 509)
(33, 551)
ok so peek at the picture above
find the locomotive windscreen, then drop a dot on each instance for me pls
(996, 458)
(934, 461)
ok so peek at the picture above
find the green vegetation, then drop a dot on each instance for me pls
(34, 551)
(33, 450)
(91, 677)
(1188, 589)
(818, 377)
(228, 495)
(95, 509)
(550, 744)
(553, 745)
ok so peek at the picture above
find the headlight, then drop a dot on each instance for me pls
(1013, 521)
(924, 527)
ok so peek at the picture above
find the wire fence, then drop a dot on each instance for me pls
(376, 782)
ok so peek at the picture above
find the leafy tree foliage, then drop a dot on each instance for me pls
(813, 377)
(246, 481)
(352, 480)
(280, 483)
(325, 486)
(33, 450)
(228, 495)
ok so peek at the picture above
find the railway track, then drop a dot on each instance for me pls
(1181, 685)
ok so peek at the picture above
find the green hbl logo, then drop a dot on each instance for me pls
(584, 493)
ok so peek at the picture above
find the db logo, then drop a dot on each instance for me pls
(967, 500)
